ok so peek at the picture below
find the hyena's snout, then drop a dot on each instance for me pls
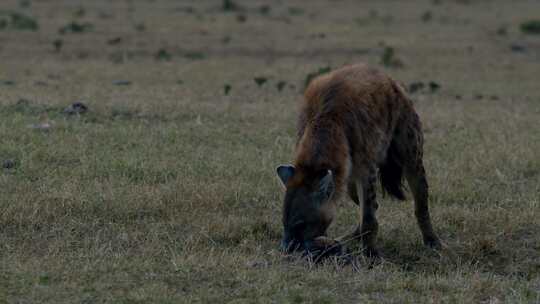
(319, 247)
(324, 247)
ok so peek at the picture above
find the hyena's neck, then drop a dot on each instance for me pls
(325, 148)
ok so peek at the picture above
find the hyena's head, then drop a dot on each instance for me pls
(308, 209)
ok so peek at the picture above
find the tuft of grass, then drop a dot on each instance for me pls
(530, 27)
(114, 41)
(80, 12)
(241, 18)
(427, 16)
(195, 55)
(281, 85)
(389, 59)
(296, 11)
(265, 10)
(260, 81)
(226, 39)
(163, 55)
(76, 28)
(227, 89)
(17, 21)
(57, 44)
(229, 5)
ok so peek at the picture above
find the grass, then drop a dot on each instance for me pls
(166, 193)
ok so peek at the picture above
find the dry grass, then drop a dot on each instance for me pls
(165, 190)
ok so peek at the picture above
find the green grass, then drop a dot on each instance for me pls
(166, 193)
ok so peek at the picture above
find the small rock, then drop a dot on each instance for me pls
(8, 164)
(76, 108)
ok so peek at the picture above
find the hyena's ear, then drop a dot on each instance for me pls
(327, 184)
(285, 172)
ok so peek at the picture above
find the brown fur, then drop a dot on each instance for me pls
(356, 121)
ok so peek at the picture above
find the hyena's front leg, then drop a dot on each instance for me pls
(370, 226)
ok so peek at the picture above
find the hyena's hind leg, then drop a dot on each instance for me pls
(410, 142)
(416, 178)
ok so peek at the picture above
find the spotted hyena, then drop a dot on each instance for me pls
(355, 123)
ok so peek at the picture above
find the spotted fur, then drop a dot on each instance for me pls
(355, 122)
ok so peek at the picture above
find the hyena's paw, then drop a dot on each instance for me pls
(433, 242)
(372, 253)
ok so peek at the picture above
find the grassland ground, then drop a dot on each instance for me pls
(165, 190)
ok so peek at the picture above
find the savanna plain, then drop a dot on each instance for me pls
(164, 189)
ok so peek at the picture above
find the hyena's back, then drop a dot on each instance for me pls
(367, 118)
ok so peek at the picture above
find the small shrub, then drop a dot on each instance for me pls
(260, 80)
(114, 41)
(17, 21)
(163, 55)
(80, 12)
(388, 58)
(427, 16)
(531, 27)
(57, 44)
(433, 86)
(230, 5)
(241, 18)
(226, 89)
(280, 85)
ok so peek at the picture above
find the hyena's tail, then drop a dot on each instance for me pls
(391, 173)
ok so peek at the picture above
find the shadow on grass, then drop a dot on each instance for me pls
(513, 253)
